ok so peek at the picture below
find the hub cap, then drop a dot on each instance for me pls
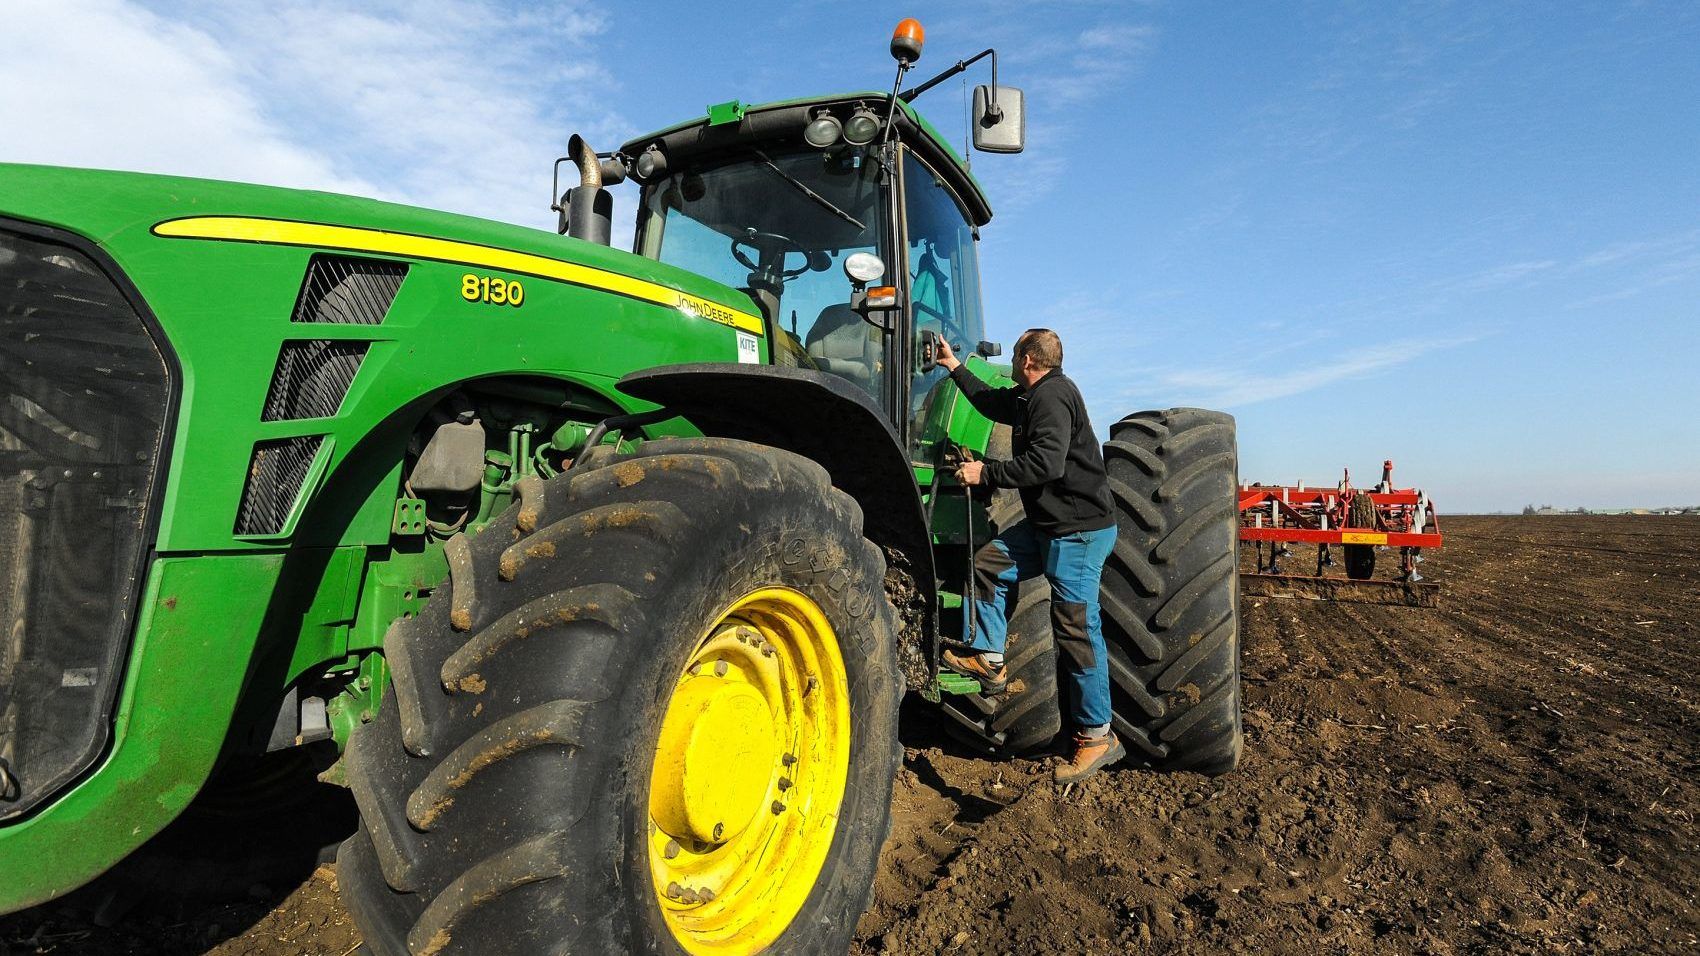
(749, 774)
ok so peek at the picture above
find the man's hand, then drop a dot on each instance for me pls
(943, 355)
(971, 473)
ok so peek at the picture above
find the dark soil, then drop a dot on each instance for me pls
(1517, 770)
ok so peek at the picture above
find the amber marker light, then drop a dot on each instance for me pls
(882, 297)
(907, 39)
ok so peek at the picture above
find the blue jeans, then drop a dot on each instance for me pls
(1073, 563)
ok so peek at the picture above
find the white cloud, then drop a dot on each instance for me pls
(105, 83)
(1229, 387)
(451, 104)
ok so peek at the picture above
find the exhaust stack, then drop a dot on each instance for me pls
(587, 210)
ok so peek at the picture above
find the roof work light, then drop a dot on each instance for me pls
(863, 126)
(823, 130)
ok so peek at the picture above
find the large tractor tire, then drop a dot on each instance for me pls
(1026, 716)
(653, 709)
(1360, 558)
(1170, 595)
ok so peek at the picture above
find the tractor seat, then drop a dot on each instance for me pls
(841, 343)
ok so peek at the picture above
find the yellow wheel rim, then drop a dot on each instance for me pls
(749, 773)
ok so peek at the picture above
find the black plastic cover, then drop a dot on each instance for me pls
(85, 395)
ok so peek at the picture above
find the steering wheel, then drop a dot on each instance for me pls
(771, 249)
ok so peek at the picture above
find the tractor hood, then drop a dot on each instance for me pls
(732, 125)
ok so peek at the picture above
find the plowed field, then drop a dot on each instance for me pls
(1517, 770)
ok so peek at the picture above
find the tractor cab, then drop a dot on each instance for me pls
(848, 220)
(855, 244)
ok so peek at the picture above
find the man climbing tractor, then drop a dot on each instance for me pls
(1068, 534)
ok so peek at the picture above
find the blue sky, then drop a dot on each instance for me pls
(1462, 235)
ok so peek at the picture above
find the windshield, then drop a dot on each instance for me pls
(781, 224)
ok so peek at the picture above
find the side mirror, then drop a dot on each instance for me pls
(988, 349)
(999, 127)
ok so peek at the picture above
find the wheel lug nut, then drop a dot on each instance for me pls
(784, 783)
(671, 850)
(674, 891)
(778, 807)
(767, 650)
(705, 895)
(719, 668)
(788, 759)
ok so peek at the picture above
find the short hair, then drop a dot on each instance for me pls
(1042, 348)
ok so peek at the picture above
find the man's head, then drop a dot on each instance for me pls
(1036, 352)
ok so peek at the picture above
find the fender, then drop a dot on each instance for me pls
(838, 426)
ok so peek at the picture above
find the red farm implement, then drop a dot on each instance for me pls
(1358, 522)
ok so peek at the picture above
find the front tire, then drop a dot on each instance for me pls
(659, 716)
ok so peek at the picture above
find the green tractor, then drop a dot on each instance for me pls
(598, 577)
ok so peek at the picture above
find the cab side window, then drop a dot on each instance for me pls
(944, 278)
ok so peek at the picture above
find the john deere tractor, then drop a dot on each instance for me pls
(598, 576)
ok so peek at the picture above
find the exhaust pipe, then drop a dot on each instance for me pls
(588, 208)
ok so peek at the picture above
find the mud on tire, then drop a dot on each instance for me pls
(1170, 595)
(504, 786)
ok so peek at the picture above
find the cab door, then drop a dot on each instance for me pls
(941, 284)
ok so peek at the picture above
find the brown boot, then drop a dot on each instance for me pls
(992, 682)
(1091, 754)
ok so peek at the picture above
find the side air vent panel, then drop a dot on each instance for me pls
(346, 291)
(311, 379)
(275, 476)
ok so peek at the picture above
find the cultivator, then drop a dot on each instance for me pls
(1360, 522)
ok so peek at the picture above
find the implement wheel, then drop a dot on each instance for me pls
(653, 709)
(1170, 596)
(1360, 558)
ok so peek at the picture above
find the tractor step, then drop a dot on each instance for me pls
(949, 682)
(1370, 591)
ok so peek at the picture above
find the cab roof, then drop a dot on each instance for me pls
(731, 125)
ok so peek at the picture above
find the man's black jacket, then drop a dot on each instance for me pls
(1058, 466)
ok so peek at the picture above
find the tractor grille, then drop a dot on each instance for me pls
(347, 291)
(85, 395)
(311, 379)
(275, 475)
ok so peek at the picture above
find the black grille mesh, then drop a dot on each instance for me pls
(275, 475)
(311, 379)
(348, 291)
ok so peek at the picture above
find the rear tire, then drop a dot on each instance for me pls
(1026, 716)
(1170, 595)
(505, 787)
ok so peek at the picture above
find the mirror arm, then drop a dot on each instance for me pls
(908, 96)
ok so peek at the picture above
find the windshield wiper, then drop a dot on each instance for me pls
(818, 199)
